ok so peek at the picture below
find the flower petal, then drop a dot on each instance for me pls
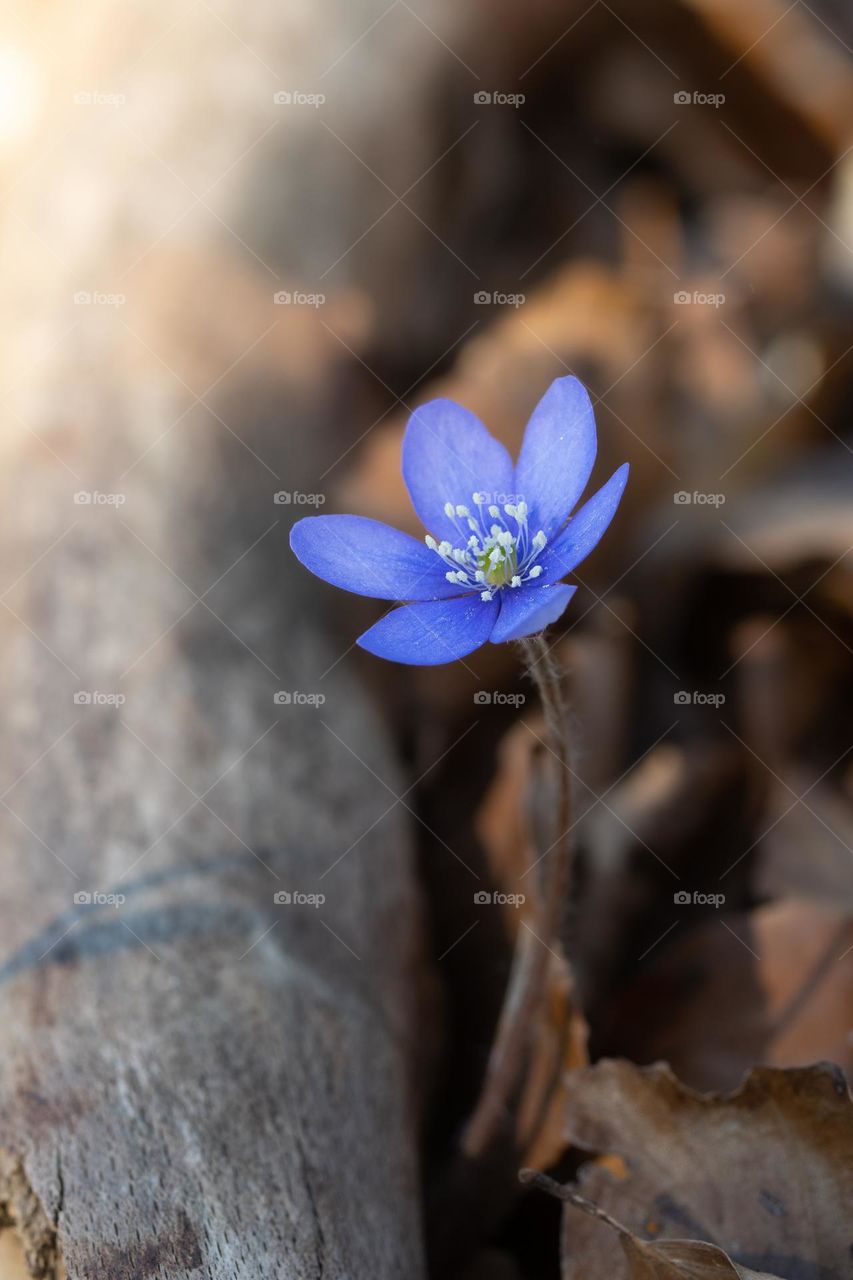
(447, 456)
(526, 610)
(557, 454)
(432, 633)
(583, 532)
(370, 558)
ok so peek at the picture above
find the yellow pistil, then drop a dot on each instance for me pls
(499, 565)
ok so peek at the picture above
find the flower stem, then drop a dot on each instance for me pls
(528, 981)
(479, 1183)
(548, 677)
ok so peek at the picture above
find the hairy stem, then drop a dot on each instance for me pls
(479, 1184)
(547, 676)
(528, 980)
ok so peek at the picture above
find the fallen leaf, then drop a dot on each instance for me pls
(764, 1174)
(666, 1260)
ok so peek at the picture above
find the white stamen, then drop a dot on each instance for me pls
(495, 548)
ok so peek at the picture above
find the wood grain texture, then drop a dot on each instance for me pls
(196, 1080)
(199, 1080)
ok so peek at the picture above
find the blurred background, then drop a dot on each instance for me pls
(284, 225)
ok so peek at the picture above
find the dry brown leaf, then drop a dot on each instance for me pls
(765, 1174)
(683, 1260)
(663, 1260)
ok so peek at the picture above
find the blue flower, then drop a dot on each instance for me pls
(501, 537)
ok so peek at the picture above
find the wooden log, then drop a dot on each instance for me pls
(194, 1075)
(196, 1078)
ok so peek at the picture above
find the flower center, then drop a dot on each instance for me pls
(494, 550)
(499, 568)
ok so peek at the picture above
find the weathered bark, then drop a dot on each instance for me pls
(196, 1080)
(197, 1077)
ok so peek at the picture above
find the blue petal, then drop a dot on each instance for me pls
(584, 530)
(526, 610)
(557, 454)
(448, 455)
(370, 558)
(429, 634)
